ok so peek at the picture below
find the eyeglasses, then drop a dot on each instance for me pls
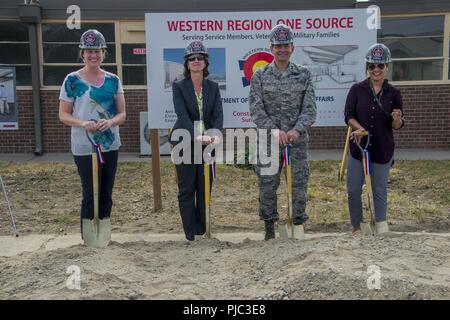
(372, 66)
(199, 57)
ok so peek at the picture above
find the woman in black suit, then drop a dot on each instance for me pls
(198, 107)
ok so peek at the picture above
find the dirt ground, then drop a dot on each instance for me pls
(413, 262)
(410, 266)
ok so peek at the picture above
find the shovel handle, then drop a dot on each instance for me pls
(341, 173)
(289, 179)
(289, 194)
(369, 195)
(289, 224)
(95, 186)
(358, 143)
(207, 200)
(367, 179)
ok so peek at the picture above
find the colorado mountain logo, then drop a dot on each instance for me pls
(253, 60)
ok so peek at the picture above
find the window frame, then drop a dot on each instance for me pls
(26, 87)
(126, 31)
(445, 54)
(134, 65)
(42, 64)
(132, 32)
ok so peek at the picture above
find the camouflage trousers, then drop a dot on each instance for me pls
(268, 185)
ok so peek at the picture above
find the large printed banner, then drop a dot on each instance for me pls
(331, 43)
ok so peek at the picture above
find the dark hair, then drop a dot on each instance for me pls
(187, 73)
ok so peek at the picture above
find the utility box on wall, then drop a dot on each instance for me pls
(30, 13)
(164, 145)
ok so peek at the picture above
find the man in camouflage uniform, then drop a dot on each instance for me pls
(282, 98)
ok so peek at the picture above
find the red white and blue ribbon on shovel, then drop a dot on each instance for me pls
(98, 149)
(212, 169)
(286, 156)
(366, 162)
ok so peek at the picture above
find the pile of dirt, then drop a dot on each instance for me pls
(392, 266)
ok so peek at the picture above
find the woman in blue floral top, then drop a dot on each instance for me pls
(92, 100)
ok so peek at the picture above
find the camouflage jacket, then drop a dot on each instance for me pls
(283, 101)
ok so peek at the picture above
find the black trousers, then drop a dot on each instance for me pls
(191, 198)
(107, 175)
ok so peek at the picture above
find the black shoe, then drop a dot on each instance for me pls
(190, 237)
(269, 227)
(301, 220)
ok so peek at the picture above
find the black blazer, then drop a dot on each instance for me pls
(186, 107)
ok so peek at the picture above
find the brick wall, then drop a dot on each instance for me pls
(427, 112)
(22, 140)
(57, 135)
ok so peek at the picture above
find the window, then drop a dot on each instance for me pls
(416, 45)
(15, 50)
(134, 71)
(60, 50)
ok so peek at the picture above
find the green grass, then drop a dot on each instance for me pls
(67, 218)
(47, 196)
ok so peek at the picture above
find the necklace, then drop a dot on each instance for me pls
(378, 99)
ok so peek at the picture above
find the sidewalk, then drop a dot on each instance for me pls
(12, 246)
(400, 154)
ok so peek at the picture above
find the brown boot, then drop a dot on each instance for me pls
(356, 230)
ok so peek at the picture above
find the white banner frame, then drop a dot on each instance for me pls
(331, 43)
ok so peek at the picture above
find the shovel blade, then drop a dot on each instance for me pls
(298, 232)
(382, 227)
(284, 231)
(96, 235)
(289, 231)
(367, 229)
